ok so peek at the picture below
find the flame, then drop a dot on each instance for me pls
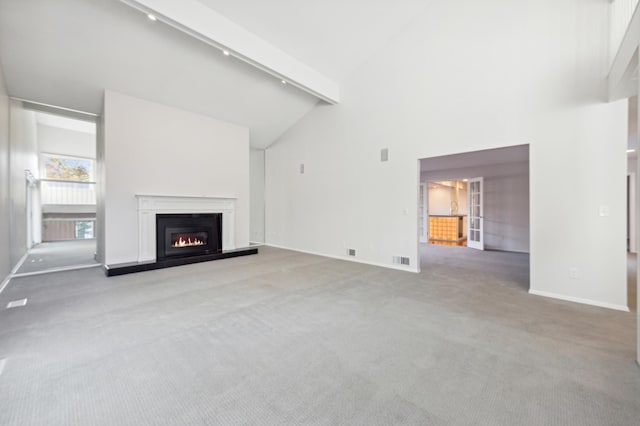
(181, 242)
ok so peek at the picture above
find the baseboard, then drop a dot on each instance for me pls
(347, 258)
(508, 251)
(19, 264)
(60, 269)
(4, 283)
(579, 300)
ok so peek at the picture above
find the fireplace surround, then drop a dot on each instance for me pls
(149, 206)
(152, 206)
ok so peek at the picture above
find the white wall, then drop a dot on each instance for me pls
(5, 256)
(23, 155)
(154, 149)
(505, 203)
(256, 170)
(57, 140)
(468, 76)
(439, 200)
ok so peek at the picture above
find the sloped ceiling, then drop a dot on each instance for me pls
(331, 36)
(66, 52)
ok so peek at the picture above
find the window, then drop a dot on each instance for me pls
(60, 167)
(84, 229)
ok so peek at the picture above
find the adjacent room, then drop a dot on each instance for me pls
(61, 196)
(360, 213)
(474, 213)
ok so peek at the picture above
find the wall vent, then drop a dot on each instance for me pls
(351, 252)
(401, 260)
(384, 154)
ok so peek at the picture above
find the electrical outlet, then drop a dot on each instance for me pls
(573, 273)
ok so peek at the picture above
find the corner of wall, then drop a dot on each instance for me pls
(100, 186)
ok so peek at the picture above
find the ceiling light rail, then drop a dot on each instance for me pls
(205, 24)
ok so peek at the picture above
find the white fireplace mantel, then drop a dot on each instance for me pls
(150, 205)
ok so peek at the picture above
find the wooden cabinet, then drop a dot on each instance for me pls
(446, 230)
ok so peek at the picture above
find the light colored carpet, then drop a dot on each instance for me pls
(59, 254)
(289, 338)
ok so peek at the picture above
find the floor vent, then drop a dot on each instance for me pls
(401, 260)
(351, 252)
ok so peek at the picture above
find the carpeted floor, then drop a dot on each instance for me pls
(59, 254)
(289, 338)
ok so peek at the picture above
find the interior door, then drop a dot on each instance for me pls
(475, 224)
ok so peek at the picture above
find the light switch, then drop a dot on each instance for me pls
(604, 210)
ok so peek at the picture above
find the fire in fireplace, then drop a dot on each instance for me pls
(189, 240)
(184, 235)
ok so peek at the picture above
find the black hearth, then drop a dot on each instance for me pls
(186, 235)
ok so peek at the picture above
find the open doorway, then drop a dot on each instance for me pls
(61, 196)
(477, 200)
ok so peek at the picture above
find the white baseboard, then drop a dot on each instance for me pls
(19, 264)
(347, 258)
(4, 283)
(60, 269)
(580, 300)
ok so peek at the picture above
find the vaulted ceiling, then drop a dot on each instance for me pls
(67, 52)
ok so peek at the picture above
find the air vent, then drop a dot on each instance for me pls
(384, 154)
(401, 260)
(351, 252)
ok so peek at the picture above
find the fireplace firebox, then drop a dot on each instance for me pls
(185, 235)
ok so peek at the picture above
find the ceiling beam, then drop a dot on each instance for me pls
(207, 25)
(624, 70)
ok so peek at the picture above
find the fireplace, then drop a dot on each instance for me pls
(185, 235)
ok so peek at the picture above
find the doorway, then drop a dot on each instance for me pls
(488, 191)
(61, 195)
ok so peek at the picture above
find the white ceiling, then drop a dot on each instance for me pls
(66, 52)
(331, 36)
